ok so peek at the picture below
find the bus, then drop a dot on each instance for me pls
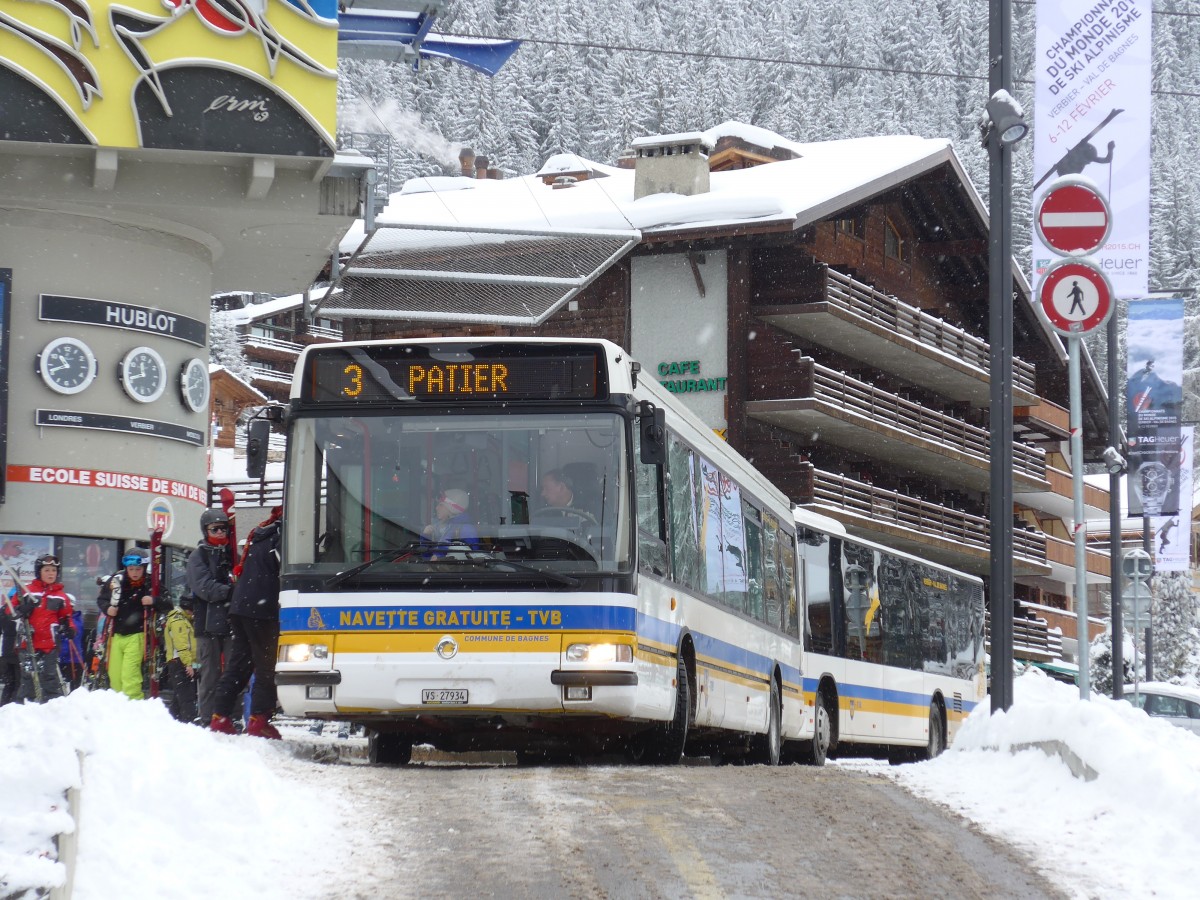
(894, 644)
(526, 545)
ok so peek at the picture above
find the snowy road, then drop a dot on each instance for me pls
(655, 832)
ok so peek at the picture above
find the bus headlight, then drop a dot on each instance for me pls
(599, 654)
(302, 653)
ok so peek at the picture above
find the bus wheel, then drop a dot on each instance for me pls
(386, 749)
(937, 735)
(817, 749)
(665, 745)
(770, 745)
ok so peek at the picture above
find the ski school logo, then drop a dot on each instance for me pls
(1042, 265)
(159, 515)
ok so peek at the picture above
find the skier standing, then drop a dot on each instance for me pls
(50, 621)
(255, 616)
(133, 601)
(210, 585)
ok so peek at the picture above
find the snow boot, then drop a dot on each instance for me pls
(221, 724)
(260, 726)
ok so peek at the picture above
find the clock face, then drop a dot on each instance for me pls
(67, 365)
(193, 383)
(143, 374)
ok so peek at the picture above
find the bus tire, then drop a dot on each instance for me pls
(387, 749)
(665, 745)
(770, 745)
(937, 733)
(816, 751)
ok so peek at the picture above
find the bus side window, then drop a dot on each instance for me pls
(755, 593)
(817, 594)
(652, 548)
(683, 498)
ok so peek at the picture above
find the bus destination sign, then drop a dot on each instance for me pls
(457, 372)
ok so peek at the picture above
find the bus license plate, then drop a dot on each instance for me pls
(443, 696)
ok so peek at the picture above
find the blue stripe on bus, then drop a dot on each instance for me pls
(464, 618)
(870, 692)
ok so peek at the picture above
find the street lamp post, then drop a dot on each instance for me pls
(1003, 126)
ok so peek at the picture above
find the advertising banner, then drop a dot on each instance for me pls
(1154, 404)
(1092, 120)
(1172, 535)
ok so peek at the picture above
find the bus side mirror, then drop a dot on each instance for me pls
(653, 424)
(258, 436)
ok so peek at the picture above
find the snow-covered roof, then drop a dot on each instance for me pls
(273, 307)
(828, 176)
(214, 368)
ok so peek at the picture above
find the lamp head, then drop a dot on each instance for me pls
(1114, 461)
(1007, 118)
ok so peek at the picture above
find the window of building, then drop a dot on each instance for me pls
(894, 245)
(853, 225)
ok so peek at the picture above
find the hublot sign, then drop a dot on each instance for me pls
(110, 314)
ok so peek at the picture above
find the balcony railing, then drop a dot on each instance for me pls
(908, 321)
(913, 514)
(319, 331)
(270, 342)
(854, 396)
(270, 374)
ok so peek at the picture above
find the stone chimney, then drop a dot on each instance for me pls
(466, 162)
(671, 164)
(481, 166)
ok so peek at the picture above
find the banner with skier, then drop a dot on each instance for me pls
(1092, 120)
(1172, 535)
(1154, 405)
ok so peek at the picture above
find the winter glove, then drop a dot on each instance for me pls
(68, 629)
(25, 606)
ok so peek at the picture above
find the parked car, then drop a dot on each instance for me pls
(1178, 705)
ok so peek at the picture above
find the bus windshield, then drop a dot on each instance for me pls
(423, 497)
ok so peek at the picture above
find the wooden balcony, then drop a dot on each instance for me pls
(1060, 554)
(1044, 422)
(1059, 500)
(841, 410)
(949, 536)
(1033, 638)
(865, 324)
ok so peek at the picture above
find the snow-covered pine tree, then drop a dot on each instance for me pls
(224, 349)
(1176, 628)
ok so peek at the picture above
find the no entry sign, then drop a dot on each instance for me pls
(1073, 217)
(1075, 297)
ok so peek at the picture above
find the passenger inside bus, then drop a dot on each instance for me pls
(452, 524)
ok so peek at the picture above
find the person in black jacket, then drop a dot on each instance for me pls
(13, 607)
(128, 601)
(254, 613)
(210, 586)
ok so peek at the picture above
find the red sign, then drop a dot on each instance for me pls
(1072, 217)
(1075, 297)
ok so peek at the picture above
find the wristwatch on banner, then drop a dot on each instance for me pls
(1152, 484)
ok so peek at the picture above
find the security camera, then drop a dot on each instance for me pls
(1114, 461)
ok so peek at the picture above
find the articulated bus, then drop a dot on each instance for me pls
(522, 545)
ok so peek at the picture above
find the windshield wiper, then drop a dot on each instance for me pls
(387, 556)
(491, 562)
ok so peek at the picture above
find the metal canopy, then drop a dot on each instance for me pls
(461, 273)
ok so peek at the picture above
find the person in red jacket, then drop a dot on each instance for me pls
(50, 621)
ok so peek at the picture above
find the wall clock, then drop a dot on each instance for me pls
(143, 374)
(193, 385)
(67, 365)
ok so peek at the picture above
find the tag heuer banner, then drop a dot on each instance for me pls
(1092, 120)
(1153, 405)
(1172, 535)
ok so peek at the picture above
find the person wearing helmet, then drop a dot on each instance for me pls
(50, 621)
(13, 608)
(125, 599)
(210, 587)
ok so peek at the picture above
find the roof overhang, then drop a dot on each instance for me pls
(463, 273)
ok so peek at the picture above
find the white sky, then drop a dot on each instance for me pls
(173, 810)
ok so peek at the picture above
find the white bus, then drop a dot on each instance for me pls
(496, 543)
(654, 611)
(894, 644)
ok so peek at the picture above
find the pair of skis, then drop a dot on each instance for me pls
(149, 631)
